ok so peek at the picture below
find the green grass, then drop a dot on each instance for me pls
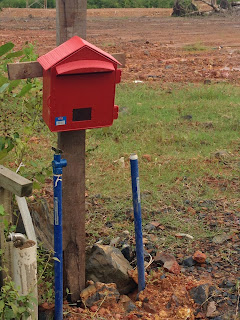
(183, 167)
(195, 47)
(176, 132)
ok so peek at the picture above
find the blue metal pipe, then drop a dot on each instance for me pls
(57, 165)
(137, 221)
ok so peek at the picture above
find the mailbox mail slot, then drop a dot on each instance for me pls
(79, 82)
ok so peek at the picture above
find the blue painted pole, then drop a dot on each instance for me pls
(137, 221)
(57, 165)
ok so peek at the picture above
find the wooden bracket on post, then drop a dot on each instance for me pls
(10, 183)
(33, 69)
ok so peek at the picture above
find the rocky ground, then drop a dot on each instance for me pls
(157, 47)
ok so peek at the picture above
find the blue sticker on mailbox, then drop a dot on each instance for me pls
(60, 121)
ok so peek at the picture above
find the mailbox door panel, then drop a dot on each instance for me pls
(83, 101)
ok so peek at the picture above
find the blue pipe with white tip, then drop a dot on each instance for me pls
(137, 221)
(57, 165)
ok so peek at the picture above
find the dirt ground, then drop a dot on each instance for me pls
(153, 41)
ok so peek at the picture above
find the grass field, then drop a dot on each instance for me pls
(187, 141)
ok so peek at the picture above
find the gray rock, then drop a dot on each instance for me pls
(211, 309)
(221, 238)
(222, 154)
(200, 294)
(188, 262)
(127, 303)
(114, 242)
(107, 264)
(162, 257)
(126, 251)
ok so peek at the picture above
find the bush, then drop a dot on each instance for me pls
(95, 4)
(22, 4)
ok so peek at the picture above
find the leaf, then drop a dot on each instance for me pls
(36, 185)
(14, 54)
(25, 90)
(13, 85)
(14, 308)
(4, 87)
(34, 164)
(5, 48)
(2, 304)
(21, 309)
(56, 259)
(16, 135)
(2, 212)
(34, 300)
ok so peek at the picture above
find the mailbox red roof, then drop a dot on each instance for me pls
(67, 48)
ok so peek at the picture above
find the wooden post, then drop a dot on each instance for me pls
(71, 18)
(10, 183)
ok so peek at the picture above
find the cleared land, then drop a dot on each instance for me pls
(158, 47)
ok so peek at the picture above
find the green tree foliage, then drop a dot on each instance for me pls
(22, 4)
(95, 3)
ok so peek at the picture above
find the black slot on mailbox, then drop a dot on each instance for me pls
(82, 114)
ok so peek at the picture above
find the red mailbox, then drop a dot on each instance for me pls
(79, 86)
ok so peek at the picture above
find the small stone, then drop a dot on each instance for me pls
(207, 81)
(162, 257)
(227, 284)
(127, 303)
(200, 294)
(199, 257)
(187, 117)
(172, 266)
(126, 234)
(188, 262)
(220, 239)
(211, 309)
(147, 157)
(126, 251)
(149, 227)
(114, 242)
(148, 308)
(222, 154)
(94, 308)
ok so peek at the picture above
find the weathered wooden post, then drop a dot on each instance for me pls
(71, 18)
